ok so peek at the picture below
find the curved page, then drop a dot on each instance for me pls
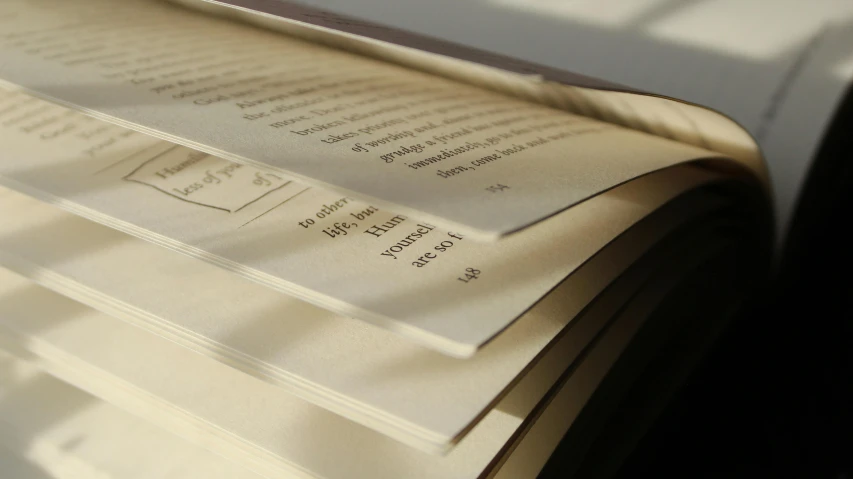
(462, 157)
(360, 372)
(435, 286)
(768, 68)
(231, 413)
(591, 97)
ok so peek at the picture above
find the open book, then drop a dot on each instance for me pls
(323, 248)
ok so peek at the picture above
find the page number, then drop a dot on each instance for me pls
(470, 273)
(497, 188)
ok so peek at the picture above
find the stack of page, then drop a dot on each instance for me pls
(251, 239)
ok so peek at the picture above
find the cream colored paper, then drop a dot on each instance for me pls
(563, 89)
(327, 359)
(68, 434)
(254, 423)
(352, 258)
(768, 68)
(422, 145)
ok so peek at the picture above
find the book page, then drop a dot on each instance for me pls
(327, 359)
(255, 424)
(426, 147)
(779, 70)
(559, 88)
(353, 258)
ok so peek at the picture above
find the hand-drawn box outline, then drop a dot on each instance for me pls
(127, 177)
